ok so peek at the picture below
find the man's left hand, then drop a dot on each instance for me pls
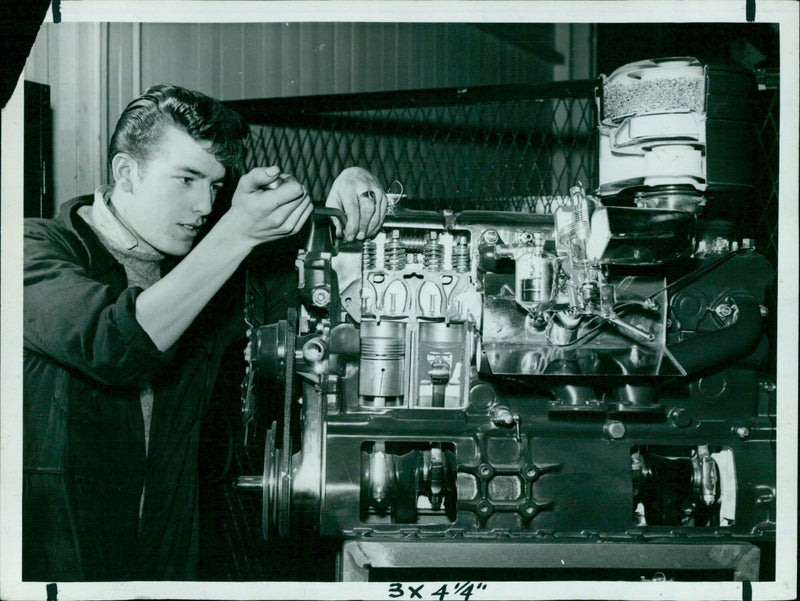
(359, 194)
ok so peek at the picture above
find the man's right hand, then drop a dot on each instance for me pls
(269, 205)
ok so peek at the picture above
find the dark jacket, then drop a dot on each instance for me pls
(85, 356)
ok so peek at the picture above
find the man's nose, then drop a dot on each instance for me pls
(204, 200)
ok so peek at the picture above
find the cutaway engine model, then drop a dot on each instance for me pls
(590, 375)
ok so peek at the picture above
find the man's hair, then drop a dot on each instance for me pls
(141, 125)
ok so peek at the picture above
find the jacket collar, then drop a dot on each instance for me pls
(100, 259)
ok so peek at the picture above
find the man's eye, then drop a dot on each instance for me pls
(185, 180)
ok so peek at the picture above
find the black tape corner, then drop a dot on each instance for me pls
(750, 10)
(747, 591)
(57, 11)
(52, 592)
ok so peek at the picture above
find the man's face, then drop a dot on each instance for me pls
(172, 194)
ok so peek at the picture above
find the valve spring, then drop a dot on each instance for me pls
(461, 262)
(368, 255)
(433, 254)
(412, 243)
(394, 253)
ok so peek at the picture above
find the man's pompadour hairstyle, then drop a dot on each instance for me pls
(205, 119)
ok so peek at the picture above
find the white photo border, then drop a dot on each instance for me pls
(783, 12)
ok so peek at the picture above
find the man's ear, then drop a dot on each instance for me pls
(125, 170)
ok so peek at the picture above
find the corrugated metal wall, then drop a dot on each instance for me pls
(94, 69)
(289, 59)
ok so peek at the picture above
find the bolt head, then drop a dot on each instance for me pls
(320, 297)
(490, 236)
(615, 429)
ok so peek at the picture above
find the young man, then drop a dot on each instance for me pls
(124, 332)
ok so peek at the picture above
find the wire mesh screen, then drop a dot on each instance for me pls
(766, 215)
(513, 148)
(507, 148)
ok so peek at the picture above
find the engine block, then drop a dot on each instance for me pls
(488, 388)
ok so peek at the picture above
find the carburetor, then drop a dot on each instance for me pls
(489, 374)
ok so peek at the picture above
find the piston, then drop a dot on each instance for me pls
(382, 360)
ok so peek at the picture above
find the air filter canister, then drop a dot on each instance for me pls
(676, 122)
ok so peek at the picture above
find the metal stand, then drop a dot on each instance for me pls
(357, 557)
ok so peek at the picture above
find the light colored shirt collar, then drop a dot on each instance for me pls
(102, 217)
